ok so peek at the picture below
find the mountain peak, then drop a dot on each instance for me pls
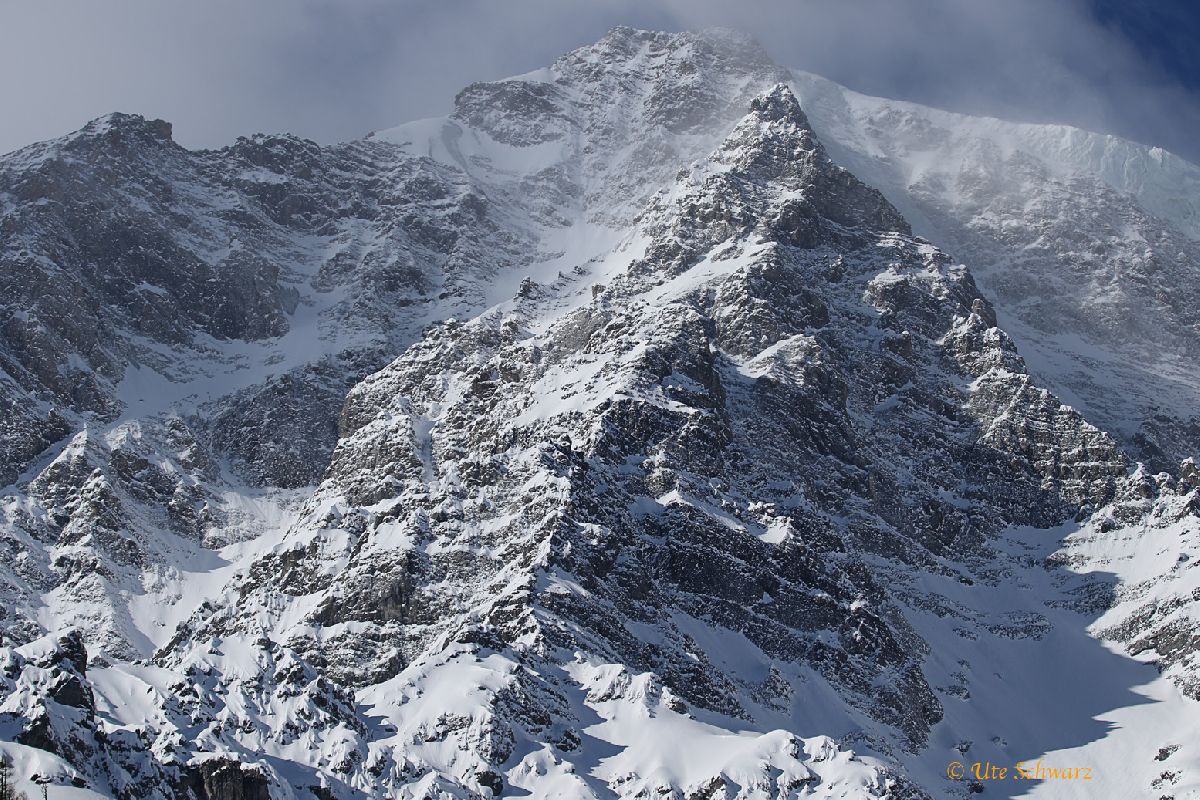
(607, 411)
(725, 38)
(774, 147)
(117, 123)
(779, 104)
(715, 50)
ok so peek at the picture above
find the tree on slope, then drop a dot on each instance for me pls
(8, 790)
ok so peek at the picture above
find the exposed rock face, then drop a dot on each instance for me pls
(1073, 235)
(225, 779)
(282, 432)
(49, 706)
(605, 438)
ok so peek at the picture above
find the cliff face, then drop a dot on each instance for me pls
(604, 438)
(1073, 235)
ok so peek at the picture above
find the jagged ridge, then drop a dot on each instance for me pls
(716, 467)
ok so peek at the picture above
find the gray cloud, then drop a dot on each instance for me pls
(334, 70)
(1019, 59)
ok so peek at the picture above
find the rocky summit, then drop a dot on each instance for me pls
(665, 423)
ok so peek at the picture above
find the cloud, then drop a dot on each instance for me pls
(1019, 59)
(335, 69)
(327, 69)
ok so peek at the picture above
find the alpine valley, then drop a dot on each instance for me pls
(664, 423)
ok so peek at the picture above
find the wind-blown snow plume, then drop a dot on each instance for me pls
(613, 436)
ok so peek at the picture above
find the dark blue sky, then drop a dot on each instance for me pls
(1167, 34)
(1166, 31)
(336, 69)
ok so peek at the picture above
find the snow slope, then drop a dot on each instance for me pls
(1073, 234)
(602, 439)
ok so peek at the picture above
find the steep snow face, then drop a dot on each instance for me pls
(454, 513)
(181, 330)
(616, 119)
(923, 141)
(604, 438)
(1087, 244)
(663, 509)
(227, 300)
(581, 146)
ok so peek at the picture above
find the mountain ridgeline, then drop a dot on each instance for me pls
(663, 423)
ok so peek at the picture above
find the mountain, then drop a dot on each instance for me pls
(1086, 243)
(632, 431)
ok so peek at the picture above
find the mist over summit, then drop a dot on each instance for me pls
(663, 422)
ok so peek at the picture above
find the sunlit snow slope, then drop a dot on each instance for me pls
(661, 423)
(1087, 244)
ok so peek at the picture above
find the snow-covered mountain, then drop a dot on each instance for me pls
(614, 436)
(1087, 244)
